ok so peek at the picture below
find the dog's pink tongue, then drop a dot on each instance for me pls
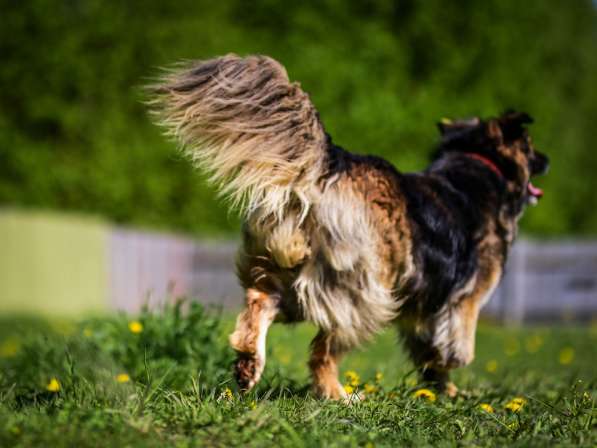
(537, 192)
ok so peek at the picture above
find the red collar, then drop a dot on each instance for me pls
(485, 161)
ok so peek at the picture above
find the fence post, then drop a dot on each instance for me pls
(514, 285)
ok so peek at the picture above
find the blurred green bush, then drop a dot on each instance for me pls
(180, 344)
(75, 135)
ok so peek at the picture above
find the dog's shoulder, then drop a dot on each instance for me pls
(372, 176)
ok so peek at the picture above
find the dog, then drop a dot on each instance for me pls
(347, 241)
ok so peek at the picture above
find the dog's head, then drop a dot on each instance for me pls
(503, 142)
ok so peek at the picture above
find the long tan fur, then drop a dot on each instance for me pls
(243, 121)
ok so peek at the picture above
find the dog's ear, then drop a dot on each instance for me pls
(453, 131)
(513, 123)
(447, 126)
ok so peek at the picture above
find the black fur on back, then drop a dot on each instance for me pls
(448, 206)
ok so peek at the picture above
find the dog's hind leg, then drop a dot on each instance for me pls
(326, 354)
(248, 339)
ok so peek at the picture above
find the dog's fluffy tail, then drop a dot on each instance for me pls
(255, 132)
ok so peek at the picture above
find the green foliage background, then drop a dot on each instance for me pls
(74, 133)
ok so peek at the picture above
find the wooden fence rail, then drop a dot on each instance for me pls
(544, 280)
(149, 268)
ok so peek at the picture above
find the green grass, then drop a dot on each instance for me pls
(179, 369)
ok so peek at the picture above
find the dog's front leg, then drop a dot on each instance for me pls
(455, 344)
(250, 334)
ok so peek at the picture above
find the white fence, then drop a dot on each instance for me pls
(548, 280)
(543, 281)
(150, 268)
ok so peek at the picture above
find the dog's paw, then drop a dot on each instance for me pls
(247, 371)
(332, 390)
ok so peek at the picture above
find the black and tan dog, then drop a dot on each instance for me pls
(347, 241)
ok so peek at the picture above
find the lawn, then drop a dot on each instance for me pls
(164, 379)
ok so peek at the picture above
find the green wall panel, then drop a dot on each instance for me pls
(52, 264)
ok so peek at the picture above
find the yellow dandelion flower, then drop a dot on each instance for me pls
(566, 356)
(9, 348)
(370, 388)
(425, 393)
(135, 326)
(227, 394)
(253, 404)
(123, 378)
(516, 404)
(369, 445)
(348, 389)
(378, 377)
(533, 343)
(486, 407)
(53, 385)
(87, 332)
(491, 366)
(512, 347)
(353, 378)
